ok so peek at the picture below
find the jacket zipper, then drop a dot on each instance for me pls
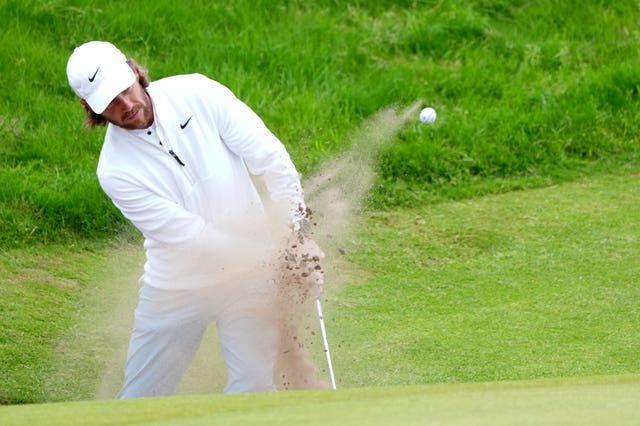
(166, 146)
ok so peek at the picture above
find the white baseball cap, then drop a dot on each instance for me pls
(98, 72)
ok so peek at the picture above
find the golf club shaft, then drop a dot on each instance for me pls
(325, 342)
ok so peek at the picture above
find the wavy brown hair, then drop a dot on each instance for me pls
(92, 119)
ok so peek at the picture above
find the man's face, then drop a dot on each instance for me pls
(131, 109)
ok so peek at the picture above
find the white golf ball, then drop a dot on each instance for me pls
(428, 115)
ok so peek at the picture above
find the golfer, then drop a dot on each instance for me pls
(178, 161)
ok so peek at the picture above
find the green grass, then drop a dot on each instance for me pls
(534, 284)
(592, 401)
(49, 293)
(527, 93)
(498, 244)
(529, 284)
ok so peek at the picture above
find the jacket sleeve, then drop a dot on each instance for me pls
(247, 136)
(170, 224)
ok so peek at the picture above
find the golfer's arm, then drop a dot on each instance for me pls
(164, 220)
(245, 134)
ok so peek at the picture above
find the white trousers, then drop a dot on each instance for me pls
(169, 327)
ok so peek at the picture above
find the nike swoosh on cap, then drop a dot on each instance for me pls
(182, 126)
(94, 76)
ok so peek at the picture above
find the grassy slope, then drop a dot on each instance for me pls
(52, 297)
(530, 284)
(593, 401)
(533, 91)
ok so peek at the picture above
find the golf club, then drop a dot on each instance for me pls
(325, 343)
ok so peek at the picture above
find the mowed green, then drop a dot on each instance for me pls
(593, 401)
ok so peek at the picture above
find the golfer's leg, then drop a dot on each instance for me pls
(163, 343)
(249, 346)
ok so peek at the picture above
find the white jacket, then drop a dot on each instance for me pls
(198, 208)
